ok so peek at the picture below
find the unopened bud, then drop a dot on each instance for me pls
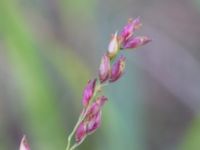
(80, 132)
(94, 123)
(117, 69)
(92, 120)
(88, 92)
(104, 69)
(96, 106)
(136, 42)
(129, 29)
(24, 144)
(114, 46)
(101, 100)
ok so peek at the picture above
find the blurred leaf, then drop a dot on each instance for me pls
(40, 111)
(197, 3)
(192, 138)
(71, 67)
(75, 9)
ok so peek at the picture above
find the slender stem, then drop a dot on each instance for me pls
(74, 129)
(72, 133)
(77, 144)
(81, 117)
(74, 146)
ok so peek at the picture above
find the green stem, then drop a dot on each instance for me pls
(72, 133)
(77, 144)
(74, 146)
(80, 119)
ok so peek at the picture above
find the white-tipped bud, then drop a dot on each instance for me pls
(24, 144)
(114, 46)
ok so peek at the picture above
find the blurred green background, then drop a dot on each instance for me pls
(50, 48)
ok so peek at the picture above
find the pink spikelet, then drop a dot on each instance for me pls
(136, 42)
(127, 38)
(92, 120)
(104, 69)
(88, 92)
(128, 30)
(24, 144)
(117, 69)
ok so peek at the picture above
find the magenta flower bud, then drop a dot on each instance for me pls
(113, 47)
(88, 92)
(101, 100)
(117, 69)
(136, 42)
(97, 105)
(129, 29)
(80, 132)
(94, 123)
(24, 144)
(104, 69)
(92, 120)
(93, 117)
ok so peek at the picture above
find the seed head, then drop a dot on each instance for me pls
(24, 144)
(92, 120)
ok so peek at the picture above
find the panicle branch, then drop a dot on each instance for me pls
(110, 70)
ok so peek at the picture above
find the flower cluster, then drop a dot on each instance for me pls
(126, 38)
(110, 70)
(92, 119)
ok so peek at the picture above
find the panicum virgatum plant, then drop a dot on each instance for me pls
(110, 70)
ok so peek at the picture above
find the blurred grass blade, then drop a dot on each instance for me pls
(192, 139)
(40, 111)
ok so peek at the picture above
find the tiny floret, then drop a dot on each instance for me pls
(104, 69)
(24, 144)
(88, 92)
(113, 46)
(128, 30)
(92, 120)
(80, 132)
(136, 42)
(117, 69)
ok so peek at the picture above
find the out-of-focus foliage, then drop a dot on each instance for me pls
(40, 115)
(192, 137)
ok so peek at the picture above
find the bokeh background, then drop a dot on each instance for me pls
(50, 48)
